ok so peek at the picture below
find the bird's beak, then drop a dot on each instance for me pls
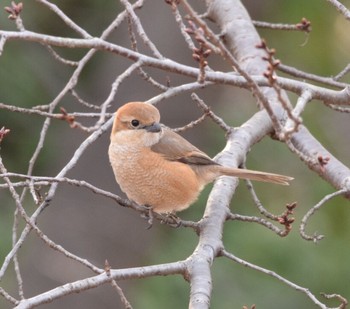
(154, 127)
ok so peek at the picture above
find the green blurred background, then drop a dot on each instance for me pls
(95, 228)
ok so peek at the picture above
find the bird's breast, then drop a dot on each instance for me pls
(149, 179)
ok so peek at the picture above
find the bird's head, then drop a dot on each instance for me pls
(137, 123)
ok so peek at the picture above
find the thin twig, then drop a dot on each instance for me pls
(258, 220)
(8, 297)
(303, 26)
(293, 122)
(341, 109)
(17, 109)
(316, 237)
(342, 73)
(257, 201)
(182, 27)
(120, 78)
(174, 91)
(69, 22)
(192, 124)
(61, 59)
(343, 300)
(316, 78)
(118, 289)
(140, 29)
(340, 8)
(219, 121)
(84, 103)
(143, 74)
(273, 274)
(284, 218)
(3, 39)
(17, 268)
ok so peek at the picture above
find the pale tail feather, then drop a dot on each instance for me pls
(256, 175)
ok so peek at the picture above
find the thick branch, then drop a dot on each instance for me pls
(211, 226)
(242, 39)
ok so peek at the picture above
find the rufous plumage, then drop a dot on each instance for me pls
(156, 167)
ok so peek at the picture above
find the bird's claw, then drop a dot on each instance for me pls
(148, 216)
(169, 218)
(172, 219)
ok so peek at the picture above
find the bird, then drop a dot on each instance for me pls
(156, 167)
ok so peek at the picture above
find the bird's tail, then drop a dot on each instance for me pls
(256, 175)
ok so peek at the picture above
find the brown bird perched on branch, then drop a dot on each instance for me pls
(158, 168)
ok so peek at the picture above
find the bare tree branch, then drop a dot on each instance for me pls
(280, 278)
(250, 65)
(315, 238)
(340, 8)
(92, 282)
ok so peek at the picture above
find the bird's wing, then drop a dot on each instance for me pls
(175, 148)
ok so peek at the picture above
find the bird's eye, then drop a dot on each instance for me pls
(135, 123)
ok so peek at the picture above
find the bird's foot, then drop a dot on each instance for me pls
(149, 216)
(169, 218)
(172, 219)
